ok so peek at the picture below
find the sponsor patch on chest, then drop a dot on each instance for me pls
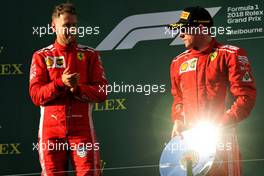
(213, 55)
(80, 56)
(189, 65)
(55, 62)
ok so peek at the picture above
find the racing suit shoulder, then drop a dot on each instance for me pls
(233, 52)
(41, 54)
(180, 55)
(229, 49)
(91, 52)
(81, 47)
(45, 49)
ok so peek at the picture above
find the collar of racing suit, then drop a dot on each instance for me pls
(69, 47)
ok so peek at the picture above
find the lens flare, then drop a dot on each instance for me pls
(203, 138)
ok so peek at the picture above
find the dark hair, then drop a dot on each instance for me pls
(63, 8)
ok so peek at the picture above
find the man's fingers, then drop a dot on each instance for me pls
(181, 136)
(74, 80)
(66, 71)
(71, 75)
(67, 84)
(174, 133)
(71, 80)
(74, 75)
(177, 129)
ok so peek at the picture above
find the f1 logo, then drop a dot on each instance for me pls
(136, 28)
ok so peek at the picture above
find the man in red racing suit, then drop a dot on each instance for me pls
(66, 127)
(202, 77)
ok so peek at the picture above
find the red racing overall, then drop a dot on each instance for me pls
(66, 117)
(203, 83)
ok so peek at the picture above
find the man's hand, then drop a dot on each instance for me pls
(177, 128)
(71, 80)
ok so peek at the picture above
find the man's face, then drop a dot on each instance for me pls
(65, 25)
(190, 37)
(189, 40)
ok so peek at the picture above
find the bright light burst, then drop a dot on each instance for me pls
(203, 138)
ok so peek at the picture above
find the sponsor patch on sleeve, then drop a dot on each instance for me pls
(246, 77)
(243, 59)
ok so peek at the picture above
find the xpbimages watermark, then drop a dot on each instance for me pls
(82, 148)
(146, 89)
(80, 31)
(58, 145)
(196, 30)
(181, 146)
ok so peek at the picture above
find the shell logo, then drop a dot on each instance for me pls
(184, 66)
(49, 62)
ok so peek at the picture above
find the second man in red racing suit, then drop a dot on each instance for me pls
(211, 82)
(201, 81)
